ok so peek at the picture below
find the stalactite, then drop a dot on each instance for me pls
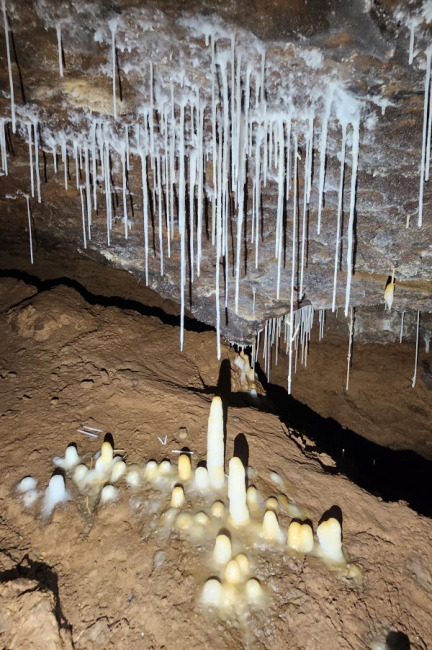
(354, 166)
(350, 342)
(293, 266)
(29, 227)
(113, 29)
(3, 146)
(424, 138)
(414, 379)
(59, 48)
(339, 213)
(30, 147)
(9, 64)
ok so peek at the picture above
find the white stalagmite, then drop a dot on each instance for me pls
(11, 86)
(184, 467)
(222, 550)
(237, 492)
(215, 444)
(300, 537)
(59, 48)
(271, 530)
(330, 538)
(354, 166)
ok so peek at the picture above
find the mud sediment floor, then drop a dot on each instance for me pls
(107, 578)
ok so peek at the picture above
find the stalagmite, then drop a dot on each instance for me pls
(300, 537)
(237, 492)
(330, 538)
(184, 468)
(212, 593)
(215, 444)
(271, 530)
(55, 494)
(389, 292)
(177, 497)
(222, 550)
(201, 479)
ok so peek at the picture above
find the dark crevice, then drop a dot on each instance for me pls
(190, 324)
(392, 475)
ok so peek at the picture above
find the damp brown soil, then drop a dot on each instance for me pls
(108, 579)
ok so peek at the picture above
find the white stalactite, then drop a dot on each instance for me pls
(9, 64)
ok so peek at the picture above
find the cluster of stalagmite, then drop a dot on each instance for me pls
(232, 521)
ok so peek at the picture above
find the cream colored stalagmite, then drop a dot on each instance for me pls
(330, 538)
(215, 444)
(237, 492)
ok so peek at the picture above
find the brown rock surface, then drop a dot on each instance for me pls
(120, 583)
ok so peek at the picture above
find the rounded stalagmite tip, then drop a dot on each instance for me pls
(233, 574)
(109, 493)
(184, 468)
(270, 528)
(272, 504)
(212, 593)
(330, 538)
(254, 591)
(243, 562)
(237, 492)
(300, 537)
(218, 509)
(222, 549)
(177, 497)
(165, 468)
(119, 468)
(201, 479)
(215, 444)
(151, 470)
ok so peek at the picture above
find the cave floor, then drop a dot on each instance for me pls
(106, 577)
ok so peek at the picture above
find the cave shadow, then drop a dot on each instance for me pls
(241, 449)
(397, 641)
(47, 580)
(334, 512)
(392, 475)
